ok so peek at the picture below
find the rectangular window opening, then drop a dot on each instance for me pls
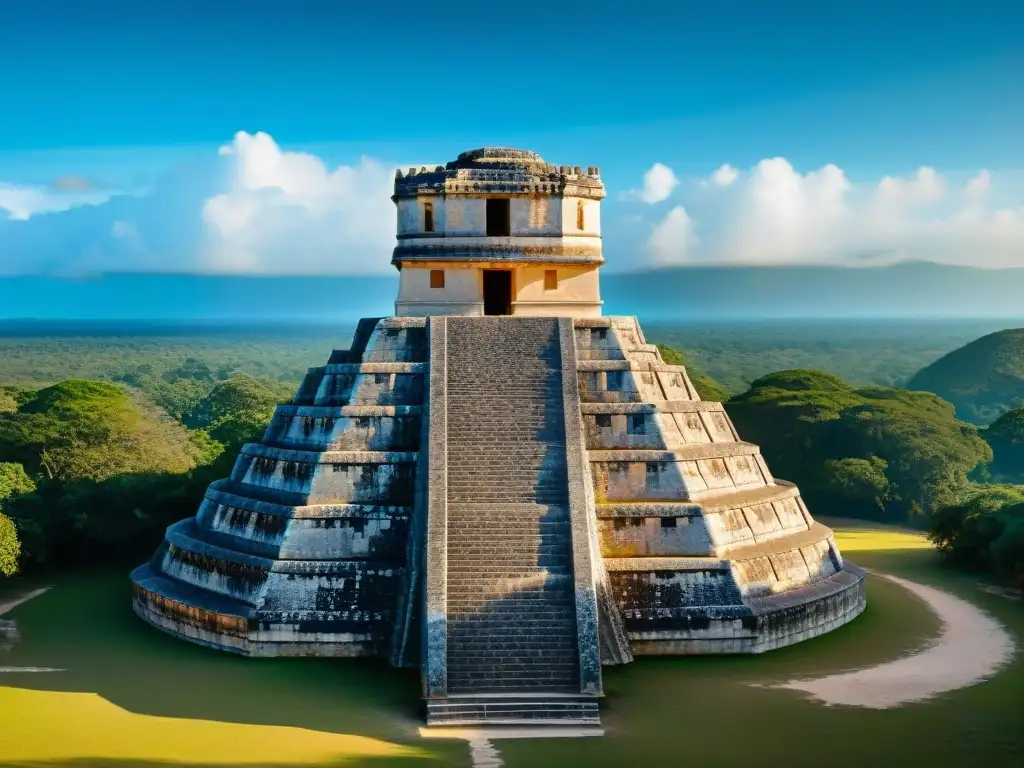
(499, 217)
(579, 215)
(428, 217)
(550, 279)
(437, 278)
(653, 475)
(668, 522)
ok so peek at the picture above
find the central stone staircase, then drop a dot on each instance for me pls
(512, 646)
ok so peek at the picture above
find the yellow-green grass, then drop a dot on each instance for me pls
(132, 696)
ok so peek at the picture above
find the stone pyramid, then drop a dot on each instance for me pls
(506, 502)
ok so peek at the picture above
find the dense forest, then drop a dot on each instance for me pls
(106, 438)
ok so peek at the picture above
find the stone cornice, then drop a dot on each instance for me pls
(493, 171)
(499, 252)
(441, 236)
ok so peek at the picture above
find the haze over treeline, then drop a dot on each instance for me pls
(910, 289)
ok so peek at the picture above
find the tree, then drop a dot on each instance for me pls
(13, 482)
(984, 531)
(10, 547)
(237, 410)
(177, 397)
(1007, 551)
(707, 388)
(859, 484)
(81, 429)
(893, 452)
(964, 531)
(1006, 437)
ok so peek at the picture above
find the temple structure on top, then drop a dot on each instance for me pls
(498, 232)
(498, 485)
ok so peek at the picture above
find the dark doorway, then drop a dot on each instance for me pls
(497, 292)
(499, 218)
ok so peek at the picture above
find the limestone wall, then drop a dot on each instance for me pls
(302, 548)
(694, 528)
(577, 293)
(591, 216)
(463, 216)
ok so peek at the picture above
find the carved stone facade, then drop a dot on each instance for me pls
(506, 503)
(499, 209)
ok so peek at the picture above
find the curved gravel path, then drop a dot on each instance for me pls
(971, 647)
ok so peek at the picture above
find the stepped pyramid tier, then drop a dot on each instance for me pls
(508, 503)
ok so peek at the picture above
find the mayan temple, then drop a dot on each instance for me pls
(498, 484)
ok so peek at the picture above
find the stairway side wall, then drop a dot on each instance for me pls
(434, 658)
(586, 561)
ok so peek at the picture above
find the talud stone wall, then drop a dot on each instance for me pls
(302, 550)
(707, 552)
(328, 534)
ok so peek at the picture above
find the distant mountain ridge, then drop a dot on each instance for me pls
(909, 289)
(983, 379)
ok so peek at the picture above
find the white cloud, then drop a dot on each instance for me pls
(925, 186)
(725, 175)
(673, 238)
(978, 185)
(251, 207)
(255, 207)
(659, 181)
(774, 214)
(287, 212)
(22, 202)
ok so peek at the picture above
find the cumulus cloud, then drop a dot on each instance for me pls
(673, 238)
(658, 183)
(776, 214)
(21, 202)
(254, 207)
(287, 212)
(978, 185)
(724, 176)
(251, 208)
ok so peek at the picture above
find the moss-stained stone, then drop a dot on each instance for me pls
(509, 503)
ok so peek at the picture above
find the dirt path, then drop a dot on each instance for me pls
(482, 751)
(13, 602)
(9, 605)
(971, 647)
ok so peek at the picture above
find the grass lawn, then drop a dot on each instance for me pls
(131, 696)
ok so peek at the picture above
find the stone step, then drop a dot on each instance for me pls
(510, 709)
(510, 593)
(510, 547)
(521, 646)
(513, 684)
(532, 597)
(473, 576)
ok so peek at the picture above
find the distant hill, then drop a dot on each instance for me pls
(983, 379)
(911, 289)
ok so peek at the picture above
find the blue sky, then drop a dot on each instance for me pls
(107, 100)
